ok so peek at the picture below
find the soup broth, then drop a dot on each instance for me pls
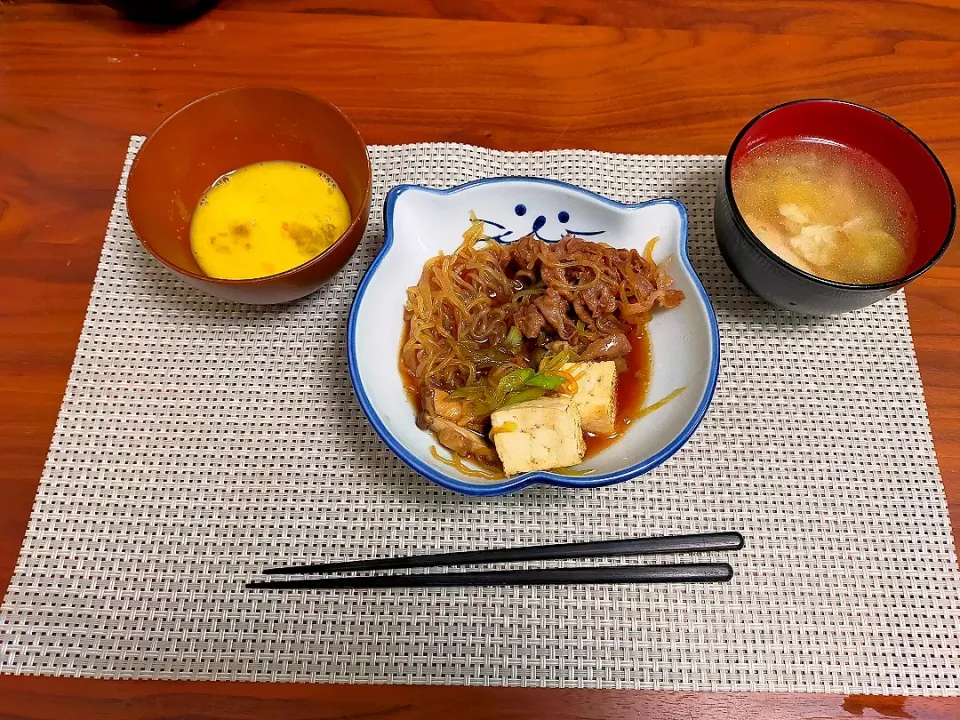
(829, 210)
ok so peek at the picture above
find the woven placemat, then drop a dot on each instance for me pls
(200, 441)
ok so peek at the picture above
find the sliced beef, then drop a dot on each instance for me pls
(555, 279)
(599, 299)
(554, 309)
(610, 347)
(526, 251)
(582, 311)
(529, 320)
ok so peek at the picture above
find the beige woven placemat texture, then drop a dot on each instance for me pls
(201, 441)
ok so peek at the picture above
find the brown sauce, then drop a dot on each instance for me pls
(632, 386)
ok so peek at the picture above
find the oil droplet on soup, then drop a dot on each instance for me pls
(266, 218)
(830, 210)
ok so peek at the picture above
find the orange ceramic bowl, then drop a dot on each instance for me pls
(226, 131)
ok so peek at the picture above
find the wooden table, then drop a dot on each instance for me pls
(666, 76)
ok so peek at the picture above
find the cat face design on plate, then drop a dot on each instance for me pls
(549, 229)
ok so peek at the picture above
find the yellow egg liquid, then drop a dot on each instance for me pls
(266, 218)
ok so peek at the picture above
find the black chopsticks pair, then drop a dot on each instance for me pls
(689, 572)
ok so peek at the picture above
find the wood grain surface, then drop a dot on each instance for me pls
(646, 77)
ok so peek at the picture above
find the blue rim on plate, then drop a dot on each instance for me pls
(518, 482)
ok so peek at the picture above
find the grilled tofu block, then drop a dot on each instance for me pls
(538, 435)
(596, 396)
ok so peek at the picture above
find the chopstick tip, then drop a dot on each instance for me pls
(727, 572)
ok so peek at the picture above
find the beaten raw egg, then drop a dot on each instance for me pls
(266, 218)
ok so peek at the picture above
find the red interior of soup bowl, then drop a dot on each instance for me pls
(886, 140)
